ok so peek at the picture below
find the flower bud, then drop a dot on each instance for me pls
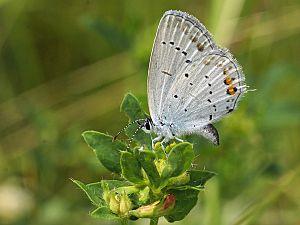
(144, 195)
(157, 146)
(156, 209)
(169, 147)
(146, 211)
(114, 203)
(169, 203)
(179, 180)
(125, 205)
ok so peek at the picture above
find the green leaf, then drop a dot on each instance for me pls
(128, 189)
(179, 160)
(131, 106)
(114, 184)
(199, 177)
(131, 168)
(185, 201)
(104, 213)
(146, 158)
(107, 151)
(93, 191)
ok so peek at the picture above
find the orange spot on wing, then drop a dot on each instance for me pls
(228, 80)
(231, 90)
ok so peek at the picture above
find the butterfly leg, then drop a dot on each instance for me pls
(164, 141)
(157, 139)
(178, 139)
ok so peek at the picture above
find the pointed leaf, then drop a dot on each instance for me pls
(107, 151)
(131, 168)
(113, 184)
(93, 192)
(199, 177)
(104, 213)
(179, 160)
(185, 201)
(146, 158)
(131, 106)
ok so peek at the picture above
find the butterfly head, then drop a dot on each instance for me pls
(147, 126)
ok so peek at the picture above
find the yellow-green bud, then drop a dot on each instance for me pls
(144, 195)
(114, 203)
(169, 147)
(157, 146)
(179, 180)
(125, 205)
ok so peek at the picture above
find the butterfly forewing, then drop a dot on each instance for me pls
(180, 39)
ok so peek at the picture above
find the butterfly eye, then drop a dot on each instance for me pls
(147, 126)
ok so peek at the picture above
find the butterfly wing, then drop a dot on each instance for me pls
(212, 89)
(180, 39)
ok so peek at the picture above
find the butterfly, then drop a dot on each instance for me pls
(192, 82)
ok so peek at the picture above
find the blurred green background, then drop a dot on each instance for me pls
(65, 67)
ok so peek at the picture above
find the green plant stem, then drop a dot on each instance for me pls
(154, 221)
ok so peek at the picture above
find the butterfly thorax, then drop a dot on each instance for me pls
(162, 130)
(166, 130)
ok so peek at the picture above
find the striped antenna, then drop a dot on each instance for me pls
(133, 135)
(133, 122)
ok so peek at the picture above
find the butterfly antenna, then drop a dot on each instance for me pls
(133, 135)
(121, 131)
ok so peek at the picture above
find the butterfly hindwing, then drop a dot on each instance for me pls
(211, 90)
